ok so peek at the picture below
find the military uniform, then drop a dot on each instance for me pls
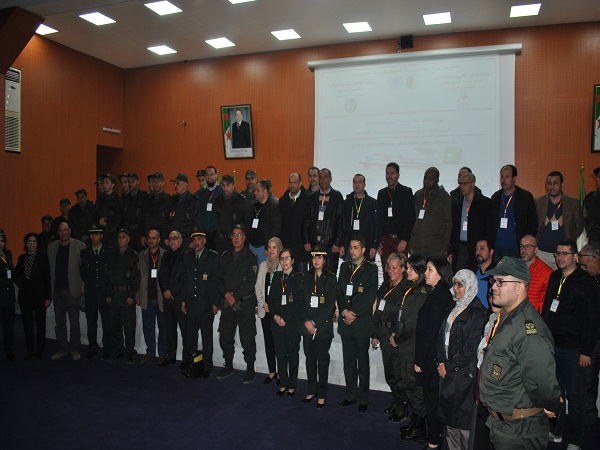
(122, 282)
(229, 211)
(519, 373)
(133, 218)
(182, 214)
(356, 291)
(208, 215)
(110, 207)
(93, 269)
(319, 308)
(286, 300)
(237, 274)
(199, 294)
(154, 214)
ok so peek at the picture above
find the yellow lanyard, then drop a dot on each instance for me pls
(493, 333)
(355, 270)
(358, 207)
(509, 200)
(404, 298)
(560, 285)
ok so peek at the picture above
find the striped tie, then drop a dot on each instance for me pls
(29, 261)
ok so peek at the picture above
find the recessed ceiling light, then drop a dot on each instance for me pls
(437, 19)
(162, 50)
(220, 43)
(525, 10)
(45, 29)
(97, 18)
(235, 2)
(163, 8)
(357, 27)
(284, 35)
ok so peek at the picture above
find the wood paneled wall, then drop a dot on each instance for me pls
(70, 97)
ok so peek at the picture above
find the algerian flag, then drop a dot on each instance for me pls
(226, 130)
(582, 240)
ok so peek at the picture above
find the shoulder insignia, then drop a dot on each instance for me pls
(255, 269)
(213, 251)
(496, 372)
(253, 252)
(530, 327)
(372, 263)
(423, 290)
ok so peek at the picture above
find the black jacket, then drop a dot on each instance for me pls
(321, 314)
(237, 274)
(332, 229)
(110, 207)
(292, 223)
(292, 311)
(183, 214)
(403, 209)
(82, 219)
(170, 273)
(369, 220)
(269, 221)
(526, 221)
(198, 278)
(36, 289)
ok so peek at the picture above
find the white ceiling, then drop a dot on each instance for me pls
(249, 25)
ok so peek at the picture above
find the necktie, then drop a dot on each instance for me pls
(96, 251)
(28, 269)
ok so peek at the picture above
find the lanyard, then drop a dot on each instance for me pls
(316, 278)
(358, 207)
(258, 212)
(282, 283)
(355, 270)
(2, 258)
(509, 200)
(154, 260)
(390, 291)
(468, 208)
(404, 298)
(424, 198)
(211, 194)
(489, 337)
(391, 194)
(454, 316)
(560, 285)
(323, 195)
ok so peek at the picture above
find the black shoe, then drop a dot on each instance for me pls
(206, 374)
(90, 354)
(226, 372)
(392, 407)
(115, 356)
(409, 425)
(129, 359)
(425, 445)
(291, 394)
(398, 416)
(269, 380)
(362, 409)
(105, 357)
(167, 362)
(250, 376)
(11, 357)
(37, 355)
(321, 405)
(28, 356)
(307, 400)
(416, 432)
(280, 392)
(347, 403)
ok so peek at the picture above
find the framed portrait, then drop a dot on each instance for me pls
(596, 120)
(236, 125)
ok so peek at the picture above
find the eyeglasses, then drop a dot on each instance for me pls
(237, 235)
(500, 282)
(589, 256)
(32, 242)
(285, 258)
(557, 254)
(174, 238)
(527, 247)
(464, 183)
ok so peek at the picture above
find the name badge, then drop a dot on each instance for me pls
(209, 206)
(349, 289)
(268, 289)
(321, 215)
(390, 213)
(447, 339)
(421, 214)
(554, 225)
(360, 289)
(381, 305)
(322, 300)
(204, 276)
(465, 225)
(255, 223)
(153, 273)
(283, 300)
(8, 274)
(554, 305)
(356, 224)
(314, 301)
(504, 222)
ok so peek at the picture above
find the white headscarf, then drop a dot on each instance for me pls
(469, 281)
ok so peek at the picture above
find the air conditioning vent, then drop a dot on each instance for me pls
(12, 121)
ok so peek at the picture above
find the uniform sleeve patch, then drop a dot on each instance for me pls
(530, 327)
(496, 372)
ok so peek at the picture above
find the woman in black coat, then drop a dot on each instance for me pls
(457, 345)
(431, 315)
(32, 275)
(7, 297)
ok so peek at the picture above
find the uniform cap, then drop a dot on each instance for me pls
(513, 267)
(181, 177)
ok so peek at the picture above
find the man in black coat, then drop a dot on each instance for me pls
(109, 211)
(230, 208)
(292, 207)
(263, 220)
(470, 223)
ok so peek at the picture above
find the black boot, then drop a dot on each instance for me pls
(409, 425)
(392, 408)
(399, 414)
(416, 432)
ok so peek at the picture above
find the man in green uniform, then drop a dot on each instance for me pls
(235, 282)
(518, 375)
(356, 293)
(122, 282)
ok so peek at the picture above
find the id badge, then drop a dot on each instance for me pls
(283, 300)
(504, 222)
(390, 213)
(465, 225)
(356, 224)
(8, 274)
(554, 225)
(399, 315)
(314, 301)
(255, 223)
(209, 206)
(421, 214)
(381, 305)
(321, 215)
(349, 289)
(554, 305)
(447, 339)
(268, 289)
(153, 273)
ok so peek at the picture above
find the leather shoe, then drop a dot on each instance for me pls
(362, 409)
(391, 408)
(146, 358)
(396, 417)
(291, 393)
(11, 357)
(269, 379)
(206, 374)
(307, 399)
(90, 354)
(416, 432)
(280, 392)
(28, 356)
(347, 403)
(321, 405)
(166, 362)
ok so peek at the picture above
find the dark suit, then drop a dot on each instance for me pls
(170, 279)
(478, 228)
(241, 135)
(355, 337)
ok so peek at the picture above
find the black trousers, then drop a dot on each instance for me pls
(33, 310)
(122, 319)
(317, 356)
(391, 369)
(7, 319)
(269, 342)
(173, 316)
(287, 344)
(96, 305)
(355, 352)
(230, 321)
(202, 322)
(431, 395)
(591, 387)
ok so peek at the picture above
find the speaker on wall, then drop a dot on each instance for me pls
(406, 41)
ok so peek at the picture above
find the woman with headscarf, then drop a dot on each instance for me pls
(264, 278)
(7, 297)
(389, 298)
(437, 306)
(32, 275)
(404, 338)
(457, 350)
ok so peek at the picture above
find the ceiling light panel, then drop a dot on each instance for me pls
(357, 27)
(97, 19)
(437, 19)
(162, 50)
(284, 35)
(220, 43)
(525, 10)
(45, 29)
(163, 8)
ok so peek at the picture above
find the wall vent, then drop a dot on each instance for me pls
(12, 121)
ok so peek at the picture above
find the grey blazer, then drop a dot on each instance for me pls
(141, 297)
(75, 282)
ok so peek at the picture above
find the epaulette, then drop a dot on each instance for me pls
(212, 251)
(253, 252)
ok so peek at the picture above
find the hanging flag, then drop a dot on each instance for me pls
(226, 130)
(582, 239)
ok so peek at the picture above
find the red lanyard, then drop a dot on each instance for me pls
(355, 270)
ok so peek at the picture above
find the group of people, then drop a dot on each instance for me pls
(458, 350)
